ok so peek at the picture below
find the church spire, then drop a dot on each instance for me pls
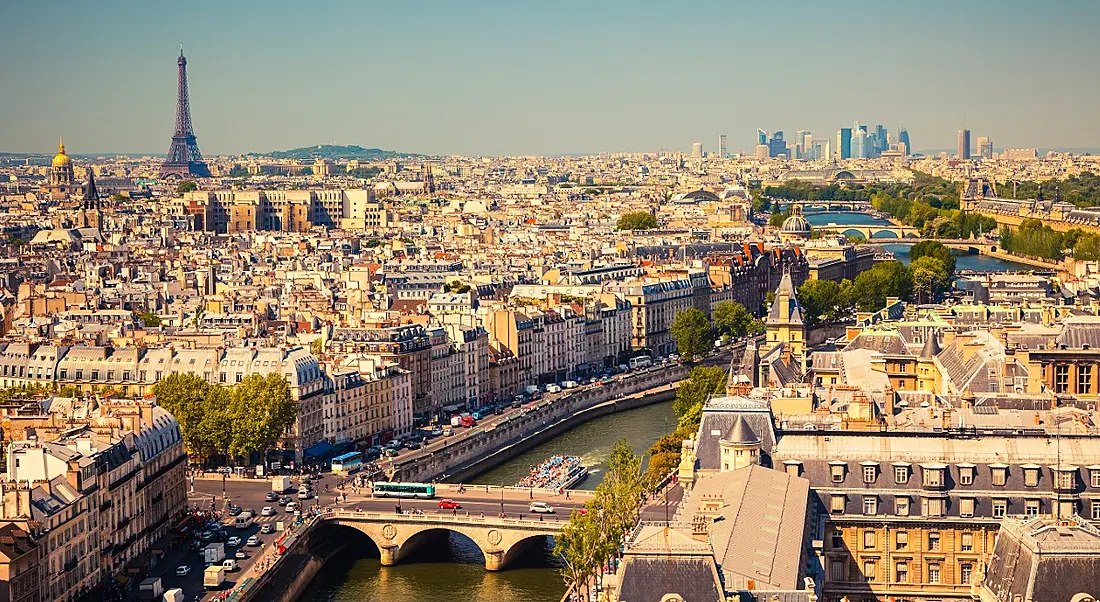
(61, 145)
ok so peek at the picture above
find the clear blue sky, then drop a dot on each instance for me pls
(527, 77)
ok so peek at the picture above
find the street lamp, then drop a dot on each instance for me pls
(502, 500)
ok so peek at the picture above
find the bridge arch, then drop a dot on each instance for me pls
(854, 232)
(884, 234)
(348, 537)
(522, 545)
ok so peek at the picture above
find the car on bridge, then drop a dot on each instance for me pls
(541, 508)
(449, 504)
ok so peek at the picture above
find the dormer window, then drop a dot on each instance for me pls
(933, 474)
(901, 473)
(870, 472)
(966, 474)
(1031, 475)
(999, 474)
(837, 470)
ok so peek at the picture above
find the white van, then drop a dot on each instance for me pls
(229, 565)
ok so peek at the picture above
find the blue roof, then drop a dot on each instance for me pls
(319, 449)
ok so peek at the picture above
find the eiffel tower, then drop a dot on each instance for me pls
(184, 158)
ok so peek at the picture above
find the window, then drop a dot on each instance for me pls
(838, 473)
(869, 570)
(934, 572)
(934, 541)
(1084, 379)
(869, 539)
(901, 540)
(901, 475)
(966, 475)
(966, 507)
(870, 504)
(794, 469)
(836, 569)
(966, 570)
(1031, 507)
(1094, 476)
(1066, 508)
(1031, 476)
(837, 504)
(838, 539)
(1096, 510)
(966, 542)
(932, 506)
(1000, 507)
(869, 474)
(1000, 475)
(1067, 479)
(933, 477)
(1061, 378)
(901, 574)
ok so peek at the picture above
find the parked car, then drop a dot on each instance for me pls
(182, 570)
(449, 504)
(412, 445)
(233, 541)
(541, 508)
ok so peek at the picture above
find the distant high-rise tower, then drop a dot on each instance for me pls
(903, 138)
(721, 146)
(985, 147)
(696, 150)
(964, 144)
(776, 146)
(881, 140)
(761, 136)
(844, 143)
(184, 158)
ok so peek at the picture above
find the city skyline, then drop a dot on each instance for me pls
(516, 80)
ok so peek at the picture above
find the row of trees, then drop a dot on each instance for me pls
(1038, 240)
(1082, 190)
(702, 383)
(694, 333)
(233, 421)
(591, 539)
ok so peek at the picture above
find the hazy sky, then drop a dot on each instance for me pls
(528, 77)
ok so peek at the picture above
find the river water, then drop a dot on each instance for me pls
(456, 571)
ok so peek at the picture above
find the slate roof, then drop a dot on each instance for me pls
(649, 579)
(719, 416)
(740, 432)
(760, 535)
(794, 309)
(1043, 560)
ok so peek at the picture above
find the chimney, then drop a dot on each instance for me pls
(699, 528)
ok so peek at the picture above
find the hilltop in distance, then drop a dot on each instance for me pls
(335, 151)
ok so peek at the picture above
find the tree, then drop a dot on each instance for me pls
(317, 346)
(636, 220)
(374, 242)
(238, 172)
(261, 411)
(457, 286)
(731, 318)
(692, 333)
(185, 396)
(148, 319)
(888, 279)
(579, 545)
(936, 249)
(777, 218)
(823, 301)
(702, 383)
(186, 186)
(930, 278)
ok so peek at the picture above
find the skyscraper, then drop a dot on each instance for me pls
(964, 145)
(802, 140)
(903, 138)
(844, 143)
(761, 136)
(985, 147)
(696, 150)
(881, 142)
(776, 145)
(861, 143)
(721, 146)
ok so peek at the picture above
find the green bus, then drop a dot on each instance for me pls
(415, 490)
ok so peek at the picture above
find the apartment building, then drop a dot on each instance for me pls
(407, 345)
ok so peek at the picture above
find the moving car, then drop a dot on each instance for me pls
(233, 541)
(253, 541)
(182, 570)
(541, 508)
(283, 501)
(449, 504)
(266, 528)
(271, 497)
(229, 565)
(267, 511)
(234, 510)
(240, 555)
(447, 432)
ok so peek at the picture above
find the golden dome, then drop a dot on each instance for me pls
(61, 160)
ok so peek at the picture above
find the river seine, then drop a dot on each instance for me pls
(456, 571)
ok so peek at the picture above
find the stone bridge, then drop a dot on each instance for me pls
(870, 231)
(396, 535)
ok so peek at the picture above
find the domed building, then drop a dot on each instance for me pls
(796, 228)
(61, 178)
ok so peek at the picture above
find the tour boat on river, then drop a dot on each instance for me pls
(557, 472)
